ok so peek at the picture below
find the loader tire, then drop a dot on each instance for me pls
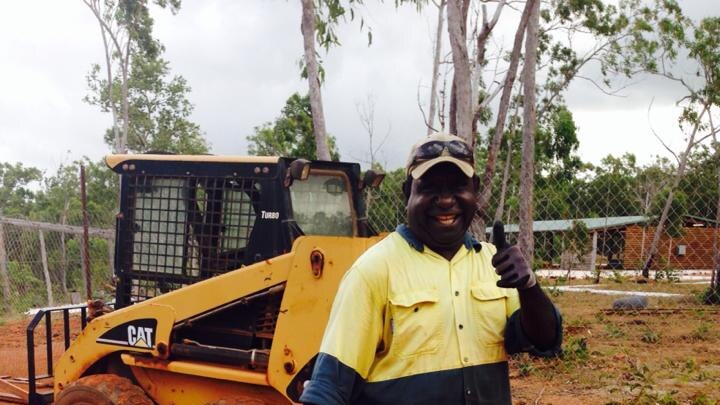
(237, 401)
(103, 389)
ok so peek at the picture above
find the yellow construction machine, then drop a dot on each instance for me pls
(226, 271)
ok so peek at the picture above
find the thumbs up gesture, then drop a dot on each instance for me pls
(509, 262)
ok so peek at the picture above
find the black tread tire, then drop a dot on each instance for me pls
(237, 401)
(103, 389)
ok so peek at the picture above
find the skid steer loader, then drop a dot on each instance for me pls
(226, 271)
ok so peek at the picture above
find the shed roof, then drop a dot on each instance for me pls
(558, 225)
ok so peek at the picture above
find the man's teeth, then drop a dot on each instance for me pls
(445, 219)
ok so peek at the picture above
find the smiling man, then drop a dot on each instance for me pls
(428, 315)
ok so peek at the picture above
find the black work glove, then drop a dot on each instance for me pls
(510, 263)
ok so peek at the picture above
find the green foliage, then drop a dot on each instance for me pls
(710, 296)
(29, 289)
(557, 144)
(650, 336)
(159, 110)
(60, 195)
(158, 107)
(575, 350)
(16, 194)
(613, 330)
(525, 366)
(702, 332)
(291, 134)
(607, 24)
(329, 13)
(701, 182)
(674, 225)
(386, 205)
(670, 274)
(578, 239)
(702, 399)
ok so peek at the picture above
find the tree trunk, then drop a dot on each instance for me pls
(442, 108)
(307, 27)
(527, 168)
(63, 248)
(119, 139)
(123, 145)
(111, 257)
(485, 31)
(509, 214)
(113, 109)
(715, 281)
(46, 270)
(452, 114)
(85, 247)
(461, 81)
(436, 69)
(593, 258)
(503, 189)
(4, 275)
(494, 146)
(671, 194)
(479, 105)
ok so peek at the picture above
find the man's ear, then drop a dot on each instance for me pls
(476, 183)
(406, 186)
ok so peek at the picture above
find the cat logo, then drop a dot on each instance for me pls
(139, 337)
(139, 333)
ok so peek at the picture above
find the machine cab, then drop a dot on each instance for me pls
(184, 219)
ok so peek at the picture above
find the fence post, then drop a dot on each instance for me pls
(85, 248)
(4, 276)
(111, 257)
(46, 271)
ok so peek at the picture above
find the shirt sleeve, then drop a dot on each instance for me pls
(352, 337)
(516, 341)
(332, 382)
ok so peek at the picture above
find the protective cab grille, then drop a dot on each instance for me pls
(183, 229)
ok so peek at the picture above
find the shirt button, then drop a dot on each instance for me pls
(460, 326)
(468, 392)
(465, 359)
(457, 293)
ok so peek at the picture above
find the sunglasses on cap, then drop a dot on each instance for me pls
(433, 149)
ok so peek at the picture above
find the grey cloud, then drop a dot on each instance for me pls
(240, 58)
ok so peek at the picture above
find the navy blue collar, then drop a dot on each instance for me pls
(469, 241)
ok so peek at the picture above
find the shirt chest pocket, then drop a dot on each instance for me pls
(488, 308)
(415, 323)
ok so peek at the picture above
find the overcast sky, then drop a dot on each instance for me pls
(241, 60)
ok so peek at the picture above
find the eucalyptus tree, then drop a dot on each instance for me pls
(313, 76)
(663, 43)
(291, 134)
(150, 109)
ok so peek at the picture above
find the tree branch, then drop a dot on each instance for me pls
(658, 136)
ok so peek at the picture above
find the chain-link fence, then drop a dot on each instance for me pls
(597, 223)
(595, 231)
(604, 222)
(41, 264)
(628, 339)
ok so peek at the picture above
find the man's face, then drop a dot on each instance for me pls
(441, 206)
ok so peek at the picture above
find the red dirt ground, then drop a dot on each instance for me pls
(13, 341)
(610, 359)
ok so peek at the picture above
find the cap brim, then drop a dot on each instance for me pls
(423, 167)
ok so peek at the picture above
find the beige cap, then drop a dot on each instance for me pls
(417, 165)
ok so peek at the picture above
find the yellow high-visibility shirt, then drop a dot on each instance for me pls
(410, 327)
